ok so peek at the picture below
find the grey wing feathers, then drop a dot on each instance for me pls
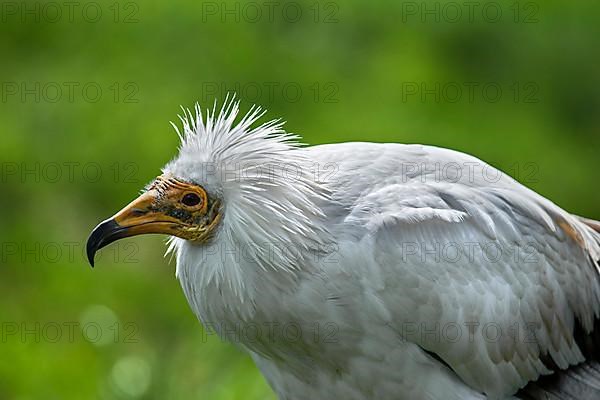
(581, 382)
(595, 225)
(558, 292)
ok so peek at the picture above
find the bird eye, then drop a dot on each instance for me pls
(191, 199)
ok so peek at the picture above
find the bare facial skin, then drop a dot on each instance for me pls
(168, 206)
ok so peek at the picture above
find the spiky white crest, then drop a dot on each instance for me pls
(271, 215)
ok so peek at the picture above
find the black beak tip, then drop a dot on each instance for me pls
(105, 233)
(90, 255)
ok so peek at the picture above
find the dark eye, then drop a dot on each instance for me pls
(191, 199)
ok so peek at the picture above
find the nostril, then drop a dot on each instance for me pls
(138, 212)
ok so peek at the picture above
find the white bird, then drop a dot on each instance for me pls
(374, 271)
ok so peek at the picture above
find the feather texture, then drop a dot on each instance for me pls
(408, 271)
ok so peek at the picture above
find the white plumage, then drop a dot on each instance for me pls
(383, 271)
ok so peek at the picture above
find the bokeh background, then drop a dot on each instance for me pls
(87, 93)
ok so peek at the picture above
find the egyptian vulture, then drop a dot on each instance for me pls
(374, 271)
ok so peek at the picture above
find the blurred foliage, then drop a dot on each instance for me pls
(339, 71)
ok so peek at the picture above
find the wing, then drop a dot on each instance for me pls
(495, 280)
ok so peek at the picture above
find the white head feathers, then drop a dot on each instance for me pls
(271, 216)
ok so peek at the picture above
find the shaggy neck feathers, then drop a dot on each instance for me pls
(272, 223)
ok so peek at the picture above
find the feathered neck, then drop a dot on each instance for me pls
(272, 225)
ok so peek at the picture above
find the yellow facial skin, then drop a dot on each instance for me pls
(168, 206)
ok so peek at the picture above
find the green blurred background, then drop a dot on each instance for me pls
(88, 89)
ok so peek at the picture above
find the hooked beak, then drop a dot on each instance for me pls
(169, 206)
(137, 218)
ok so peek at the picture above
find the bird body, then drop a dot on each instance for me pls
(387, 271)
